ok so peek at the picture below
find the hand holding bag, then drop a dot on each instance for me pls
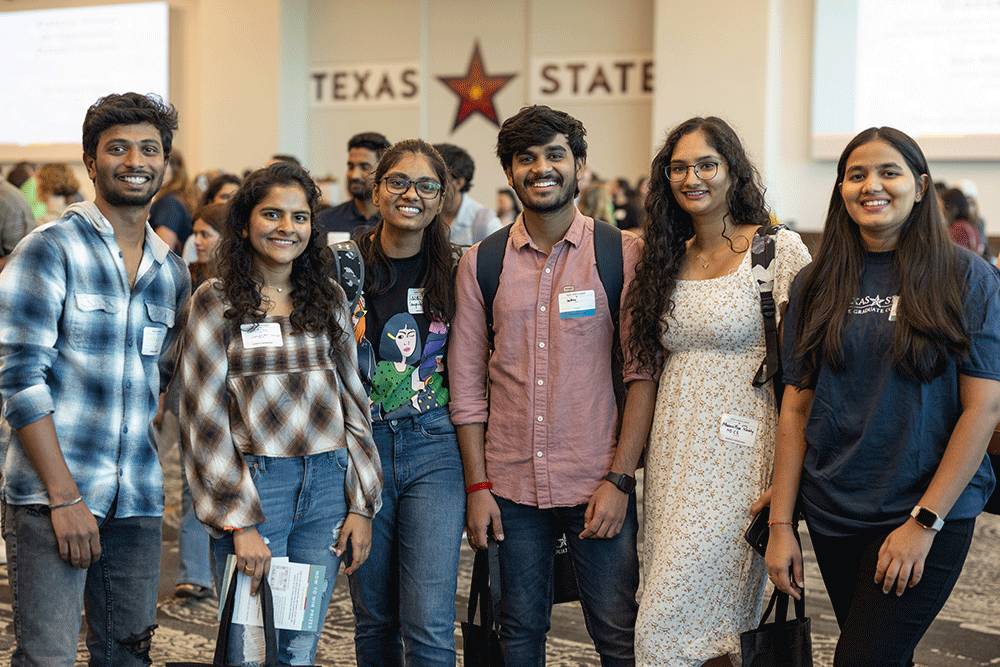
(226, 624)
(783, 643)
(481, 643)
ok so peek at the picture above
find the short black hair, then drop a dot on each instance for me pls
(285, 157)
(537, 125)
(460, 163)
(373, 141)
(129, 109)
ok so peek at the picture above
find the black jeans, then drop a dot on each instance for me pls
(878, 628)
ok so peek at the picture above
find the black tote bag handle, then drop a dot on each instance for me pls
(485, 593)
(226, 624)
(780, 600)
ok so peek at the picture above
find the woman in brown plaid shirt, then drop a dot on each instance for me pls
(274, 418)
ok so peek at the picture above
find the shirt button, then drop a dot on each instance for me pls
(541, 308)
(541, 344)
(125, 429)
(539, 454)
(548, 270)
(541, 382)
(128, 384)
(540, 418)
(129, 342)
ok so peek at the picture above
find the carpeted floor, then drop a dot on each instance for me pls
(966, 633)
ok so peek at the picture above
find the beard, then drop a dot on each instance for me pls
(567, 193)
(108, 186)
(359, 189)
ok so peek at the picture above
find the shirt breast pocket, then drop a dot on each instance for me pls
(93, 321)
(161, 319)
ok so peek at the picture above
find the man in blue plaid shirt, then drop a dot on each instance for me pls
(87, 309)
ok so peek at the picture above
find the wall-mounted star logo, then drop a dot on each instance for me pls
(475, 90)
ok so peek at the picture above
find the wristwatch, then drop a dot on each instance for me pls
(927, 518)
(624, 483)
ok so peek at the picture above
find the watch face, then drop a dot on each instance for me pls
(925, 517)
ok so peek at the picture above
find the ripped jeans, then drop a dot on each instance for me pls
(118, 591)
(304, 507)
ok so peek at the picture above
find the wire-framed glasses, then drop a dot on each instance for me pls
(706, 170)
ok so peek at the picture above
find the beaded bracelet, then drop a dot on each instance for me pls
(478, 486)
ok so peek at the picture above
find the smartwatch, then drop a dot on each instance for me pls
(927, 518)
(624, 483)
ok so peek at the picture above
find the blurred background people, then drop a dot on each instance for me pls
(469, 220)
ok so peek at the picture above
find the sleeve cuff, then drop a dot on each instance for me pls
(29, 405)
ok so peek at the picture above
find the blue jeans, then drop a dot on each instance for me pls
(195, 563)
(118, 591)
(607, 575)
(304, 508)
(404, 595)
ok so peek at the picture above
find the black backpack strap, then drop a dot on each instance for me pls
(489, 265)
(611, 270)
(762, 258)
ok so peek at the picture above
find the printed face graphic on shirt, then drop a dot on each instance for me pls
(400, 339)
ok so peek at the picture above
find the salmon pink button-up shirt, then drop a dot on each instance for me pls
(552, 418)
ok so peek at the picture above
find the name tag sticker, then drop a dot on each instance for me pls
(737, 430)
(337, 237)
(582, 303)
(265, 334)
(415, 300)
(895, 307)
(152, 340)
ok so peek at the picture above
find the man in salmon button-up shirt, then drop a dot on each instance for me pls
(550, 459)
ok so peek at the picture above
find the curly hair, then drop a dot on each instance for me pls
(316, 299)
(930, 325)
(128, 109)
(667, 229)
(440, 254)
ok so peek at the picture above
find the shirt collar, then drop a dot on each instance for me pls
(574, 235)
(88, 211)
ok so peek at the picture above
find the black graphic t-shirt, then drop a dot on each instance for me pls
(402, 352)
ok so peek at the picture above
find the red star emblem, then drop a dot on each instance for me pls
(475, 90)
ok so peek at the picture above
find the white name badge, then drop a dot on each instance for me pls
(582, 303)
(265, 334)
(415, 300)
(895, 307)
(152, 340)
(337, 237)
(737, 430)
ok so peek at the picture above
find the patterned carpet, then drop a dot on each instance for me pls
(966, 633)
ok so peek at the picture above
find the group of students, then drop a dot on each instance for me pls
(365, 416)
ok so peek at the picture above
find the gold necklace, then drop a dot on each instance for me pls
(279, 290)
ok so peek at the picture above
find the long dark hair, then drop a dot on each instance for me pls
(436, 248)
(930, 326)
(315, 299)
(667, 229)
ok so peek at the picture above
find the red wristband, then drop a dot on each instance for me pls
(478, 486)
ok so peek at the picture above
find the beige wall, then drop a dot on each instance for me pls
(239, 75)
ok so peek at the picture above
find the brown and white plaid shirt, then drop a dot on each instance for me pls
(294, 400)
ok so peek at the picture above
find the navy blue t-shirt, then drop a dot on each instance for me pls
(875, 437)
(169, 212)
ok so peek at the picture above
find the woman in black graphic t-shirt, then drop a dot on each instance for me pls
(892, 368)
(404, 596)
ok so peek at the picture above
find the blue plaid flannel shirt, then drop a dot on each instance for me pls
(77, 343)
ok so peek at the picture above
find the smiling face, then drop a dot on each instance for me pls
(879, 191)
(205, 240)
(545, 176)
(128, 166)
(408, 211)
(699, 197)
(279, 228)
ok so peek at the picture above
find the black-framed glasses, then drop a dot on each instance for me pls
(427, 188)
(706, 171)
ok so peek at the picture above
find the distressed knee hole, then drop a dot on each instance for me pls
(139, 644)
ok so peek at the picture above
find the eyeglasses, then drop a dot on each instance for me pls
(706, 171)
(427, 188)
